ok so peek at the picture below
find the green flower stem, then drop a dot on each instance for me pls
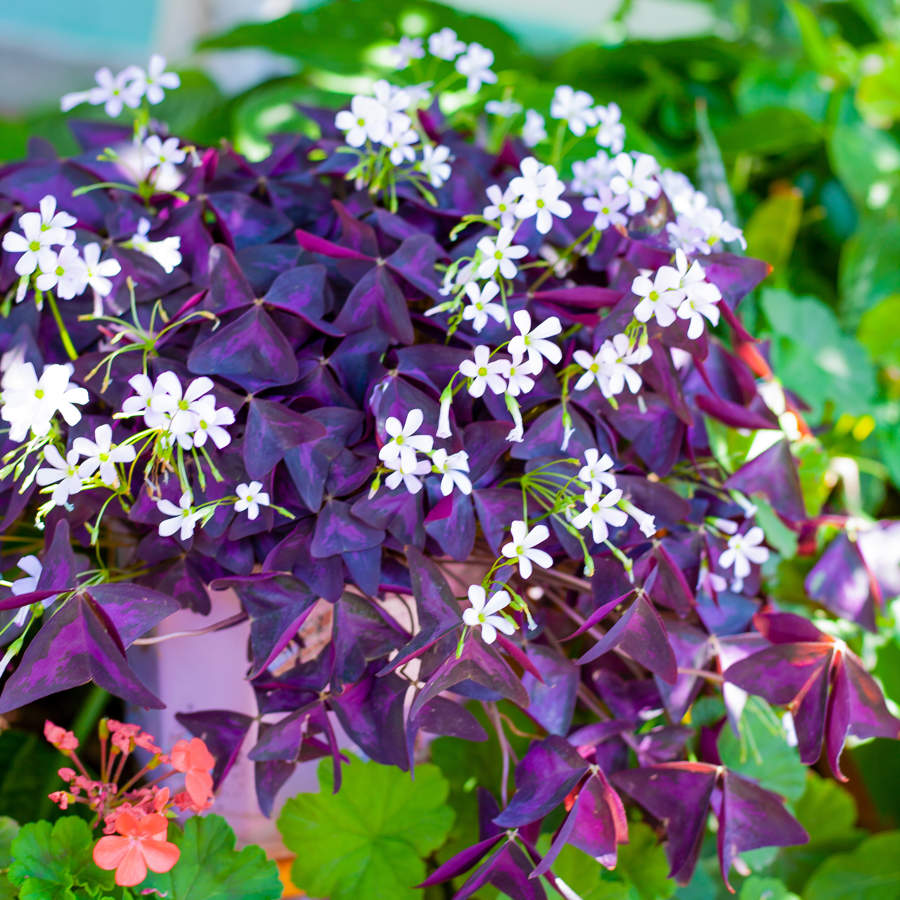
(63, 333)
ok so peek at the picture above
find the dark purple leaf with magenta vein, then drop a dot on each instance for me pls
(841, 581)
(272, 430)
(774, 475)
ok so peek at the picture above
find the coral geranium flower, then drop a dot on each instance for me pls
(194, 759)
(140, 845)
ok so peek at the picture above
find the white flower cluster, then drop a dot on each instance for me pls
(185, 517)
(400, 456)
(126, 89)
(386, 122)
(165, 252)
(187, 417)
(64, 271)
(472, 61)
(29, 402)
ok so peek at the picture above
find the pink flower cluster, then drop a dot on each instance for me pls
(134, 815)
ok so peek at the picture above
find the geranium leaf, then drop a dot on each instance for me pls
(368, 841)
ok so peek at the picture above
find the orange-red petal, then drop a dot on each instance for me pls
(110, 851)
(133, 869)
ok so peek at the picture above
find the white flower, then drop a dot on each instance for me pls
(98, 273)
(475, 65)
(501, 207)
(636, 178)
(400, 142)
(444, 44)
(367, 119)
(611, 132)
(483, 613)
(701, 301)
(114, 92)
(165, 252)
(499, 253)
(659, 297)
(506, 107)
(185, 414)
(454, 468)
(435, 164)
(517, 432)
(483, 372)
(611, 366)
(210, 422)
(419, 94)
(600, 512)
(30, 403)
(645, 521)
(535, 342)
(608, 208)
(163, 156)
(60, 472)
(540, 189)
(443, 428)
(102, 455)
(405, 442)
(32, 568)
(590, 175)
(534, 130)
(408, 475)
(250, 498)
(63, 272)
(523, 547)
(40, 231)
(394, 100)
(152, 401)
(597, 470)
(407, 49)
(480, 307)
(744, 549)
(576, 107)
(518, 375)
(182, 518)
(715, 228)
(153, 82)
(678, 188)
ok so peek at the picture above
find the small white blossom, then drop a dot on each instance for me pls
(600, 512)
(40, 231)
(30, 402)
(410, 476)
(501, 207)
(483, 613)
(366, 120)
(611, 367)
(534, 130)
(636, 178)
(483, 372)
(99, 272)
(475, 65)
(444, 44)
(250, 497)
(404, 442)
(540, 189)
(186, 411)
(535, 342)
(435, 164)
(210, 422)
(62, 473)
(443, 428)
(589, 176)
(152, 401)
(394, 100)
(32, 568)
(518, 375)
(63, 272)
(597, 470)
(607, 207)
(165, 252)
(523, 547)
(575, 107)
(113, 92)
(499, 253)
(156, 80)
(454, 468)
(480, 307)
(659, 297)
(401, 143)
(700, 302)
(506, 107)
(611, 132)
(182, 518)
(102, 455)
(744, 550)
(645, 521)
(407, 49)
(163, 156)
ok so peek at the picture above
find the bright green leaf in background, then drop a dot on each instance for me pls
(366, 842)
(870, 872)
(211, 869)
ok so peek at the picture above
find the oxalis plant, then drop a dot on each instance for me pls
(475, 391)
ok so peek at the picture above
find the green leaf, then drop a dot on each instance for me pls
(585, 875)
(868, 268)
(758, 888)
(825, 810)
(9, 828)
(367, 841)
(770, 131)
(870, 872)
(211, 869)
(26, 761)
(772, 228)
(762, 751)
(643, 863)
(887, 667)
(868, 163)
(878, 331)
(50, 860)
(878, 93)
(778, 535)
(812, 463)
